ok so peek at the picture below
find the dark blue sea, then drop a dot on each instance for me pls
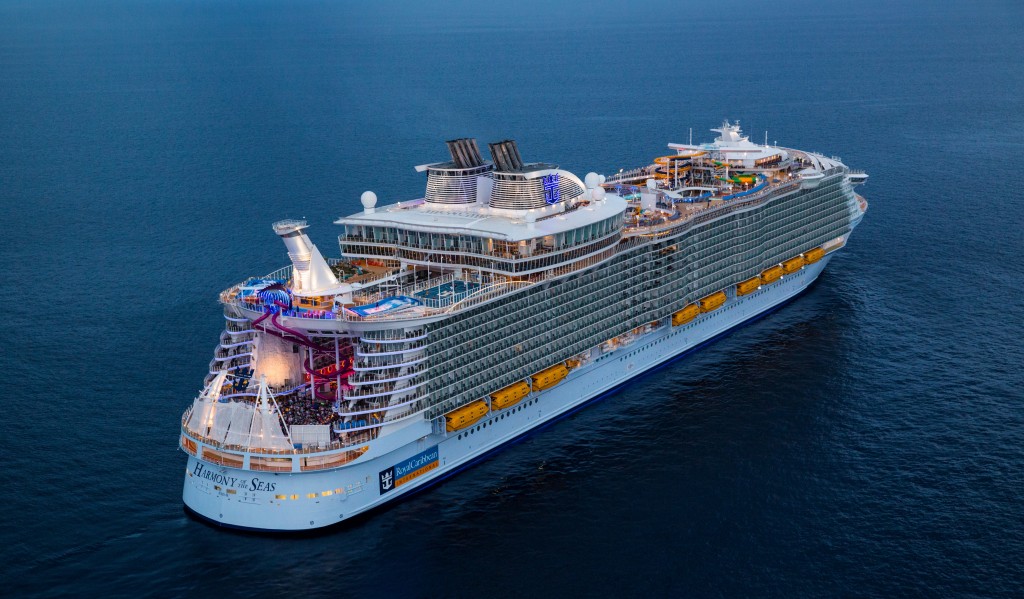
(867, 440)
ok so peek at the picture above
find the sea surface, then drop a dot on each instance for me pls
(867, 440)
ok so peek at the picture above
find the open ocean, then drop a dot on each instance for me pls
(866, 440)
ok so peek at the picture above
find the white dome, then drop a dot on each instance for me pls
(368, 199)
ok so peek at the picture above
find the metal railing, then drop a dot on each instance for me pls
(371, 434)
(701, 215)
(363, 298)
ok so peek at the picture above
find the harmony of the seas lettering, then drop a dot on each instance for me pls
(253, 484)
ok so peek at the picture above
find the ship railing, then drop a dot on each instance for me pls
(410, 313)
(282, 274)
(231, 356)
(396, 412)
(363, 378)
(408, 243)
(407, 248)
(366, 435)
(393, 336)
(370, 365)
(277, 391)
(366, 350)
(702, 215)
(382, 390)
(488, 293)
(371, 407)
(484, 294)
(561, 270)
(303, 313)
(630, 174)
(408, 290)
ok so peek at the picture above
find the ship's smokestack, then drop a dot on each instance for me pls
(465, 153)
(309, 269)
(506, 155)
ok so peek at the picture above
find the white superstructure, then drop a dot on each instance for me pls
(509, 295)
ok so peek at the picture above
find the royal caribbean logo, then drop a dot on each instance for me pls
(551, 192)
(401, 473)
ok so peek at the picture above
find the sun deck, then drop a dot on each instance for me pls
(449, 292)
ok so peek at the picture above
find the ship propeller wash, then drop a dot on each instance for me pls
(512, 293)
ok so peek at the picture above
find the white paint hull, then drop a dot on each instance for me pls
(253, 500)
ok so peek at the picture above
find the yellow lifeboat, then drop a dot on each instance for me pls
(685, 315)
(748, 286)
(509, 396)
(771, 275)
(812, 256)
(792, 265)
(465, 416)
(549, 377)
(712, 302)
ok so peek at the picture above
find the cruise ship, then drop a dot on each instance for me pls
(510, 295)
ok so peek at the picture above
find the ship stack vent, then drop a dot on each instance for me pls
(465, 153)
(455, 182)
(506, 156)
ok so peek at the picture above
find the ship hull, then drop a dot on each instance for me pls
(268, 502)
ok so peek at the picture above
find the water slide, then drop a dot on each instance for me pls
(309, 343)
(302, 339)
(327, 377)
(291, 334)
(670, 167)
(759, 187)
(699, 198)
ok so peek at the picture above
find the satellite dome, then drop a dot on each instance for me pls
(369, 200)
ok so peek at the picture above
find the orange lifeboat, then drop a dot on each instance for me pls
(792, 265)
(748, 286)
(712, 302)
(465, 416)
(685, 315)
(771, 275)
(812, 256)
(509, 396)
(549, 377)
